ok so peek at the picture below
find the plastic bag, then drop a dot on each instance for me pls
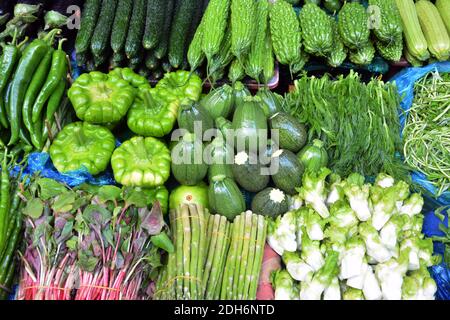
(405, 81)
(41, 163)
(440, 272)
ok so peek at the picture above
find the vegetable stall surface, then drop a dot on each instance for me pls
(353, 240)
(426, 134)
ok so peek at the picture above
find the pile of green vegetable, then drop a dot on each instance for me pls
(33, 77)
(426, 135)
(213, 258)
(354, 120)
(353, 241)
(91, 243)
(149, 36)
(10, 225)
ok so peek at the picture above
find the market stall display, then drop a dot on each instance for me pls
(159, 162)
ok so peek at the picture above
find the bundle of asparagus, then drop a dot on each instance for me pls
(213, 258)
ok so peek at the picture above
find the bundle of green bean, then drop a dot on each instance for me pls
(10, 227)
(213, 259)
(427, 131)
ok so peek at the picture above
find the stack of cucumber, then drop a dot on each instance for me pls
(149, 36)
(213, 258)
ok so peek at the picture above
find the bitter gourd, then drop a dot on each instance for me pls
(391, 51)
(363, 56)
(316, 30)
(353, 25)
(338, 53)
(215, 20)
(242, 26)
(385, 19)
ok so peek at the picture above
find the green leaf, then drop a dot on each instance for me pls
(50, 188)
(109, 193)
(96, 214)
(64, 202)
(87, 263)
(136, 197)
(447, 255)
(163, 241)
(34, 208)
(108, 236)
(72, 243)
(89, 188)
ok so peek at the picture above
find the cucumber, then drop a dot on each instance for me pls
(121, 23)
(292, 134)
(162, 47)
(247, 172)
(179, 34)
(151, 62)
(102, 32)
(156, 14)
(270, 203)
(288, 175)
(89, 18)
(133, 43)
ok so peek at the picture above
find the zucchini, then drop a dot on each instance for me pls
(247, 172)
(91, 10)
(287, 175)
(271, 102)
(221, 159)
(155, 17)
(414, 37)
(133, 43)
(121, 23)
(219, 102)
(224, 197)
(270, 202)
(102, 32)
(191, 115)
(188, 167)
(242, 25)
(181, 24)
(162, 47)
(434, 30)
(443, 7)
(292, 134)
(215, 20)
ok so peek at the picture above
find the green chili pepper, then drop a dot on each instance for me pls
(29, 62)
(101, 99)
(141, 162)
(4, 202)
(151, 116)
(82, 145)
(53, 104)
(57, 70)
(35, 86)
(180, 85)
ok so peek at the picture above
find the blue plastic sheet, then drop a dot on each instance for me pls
(40, 163)
(405, 81)
(440, 272)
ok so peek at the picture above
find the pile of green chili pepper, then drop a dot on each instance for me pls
(10, 226)
(32, 85)
(427, 130)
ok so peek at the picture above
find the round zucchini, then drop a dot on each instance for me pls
(270, 202)
(221, 159)
(191, 113)
(219, 102)
(270, 101)
(247, 172)
(292, 134)
(225, 198)
(288, 174)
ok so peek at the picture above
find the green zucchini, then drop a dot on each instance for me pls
(91, 10)
(156, 11)
(192, 115)
(270, 202)
(271, 102)
(121, 23)
(247, 172)
(291, 133)
(133, 43)
(221, 159)
(225, 198)
(102, 32)
(219, 102)
(287, 175)
(179, 34)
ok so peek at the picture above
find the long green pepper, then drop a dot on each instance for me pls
(4, 202)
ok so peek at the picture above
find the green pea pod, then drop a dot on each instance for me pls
(33, 90)
(82, 145)
(57, 70)
(101, 99)
(28, 64)
(151, 116)
(141, 162)
(163, 241)
(180, 85)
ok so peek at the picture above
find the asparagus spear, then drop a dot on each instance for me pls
(251, 257)
(259, 250)
(186, 250)
(212, 250)
(179, 253)
(195, 243)
(227, 283)
(212, 282)
(223, 262)
(239, 257)
(243, 266)
(201, 250)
